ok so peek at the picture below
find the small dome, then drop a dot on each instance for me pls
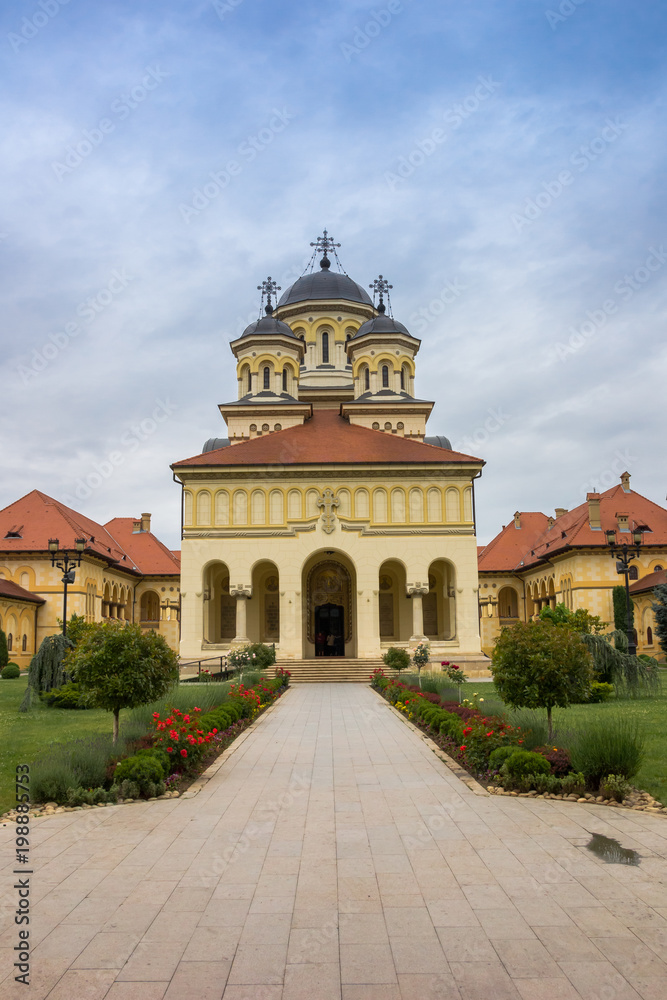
(381, 324)
(268, 325)
(324, 284)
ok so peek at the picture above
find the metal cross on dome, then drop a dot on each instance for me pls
(269, 288)
(325, 243)
(380, 287)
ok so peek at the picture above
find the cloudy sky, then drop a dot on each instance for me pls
(501, 161)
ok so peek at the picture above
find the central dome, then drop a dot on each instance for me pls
(324, 284)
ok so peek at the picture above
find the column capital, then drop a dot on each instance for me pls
(417, 589)
(240, 590)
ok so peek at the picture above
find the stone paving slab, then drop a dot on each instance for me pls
(334, 855)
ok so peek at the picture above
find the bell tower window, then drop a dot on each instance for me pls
(284, 380)
(385, 376)
(402, 378)
(267, 377)
(367, 379)
(325, 348)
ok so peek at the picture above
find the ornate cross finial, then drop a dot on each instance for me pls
(324, 243)
(268, 288)
(328, 501)
(380, 286)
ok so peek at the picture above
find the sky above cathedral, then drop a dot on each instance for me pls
(502, 162)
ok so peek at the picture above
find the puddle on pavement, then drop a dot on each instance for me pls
(611, 852)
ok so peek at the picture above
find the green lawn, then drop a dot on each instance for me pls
(24, 735)
(651, 712)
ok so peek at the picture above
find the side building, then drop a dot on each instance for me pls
(125, 573)
(327, 522)
(538, 561)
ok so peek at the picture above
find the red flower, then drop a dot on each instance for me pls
(156, 715)
(195, 709)
(444, 663)
(490, 734)
(214, 731)
(170, 749)
(186, 718)
(184, 753)
(455, 666)
(462, 748)
(520, 741)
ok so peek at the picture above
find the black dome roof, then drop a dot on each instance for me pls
(325, 284)
(381, 324)
(268, 324)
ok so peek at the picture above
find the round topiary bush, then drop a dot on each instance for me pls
(498, 756)
(523, 762)
(145, 771)
(396, 659)
(10, 672)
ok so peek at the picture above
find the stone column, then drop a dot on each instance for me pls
(242, 594)
(417, 591)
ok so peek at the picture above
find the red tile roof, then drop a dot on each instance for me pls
(505, 552)
(573, 530)
(649, 582)
(37, 517)
(147, 552)
(328, 438)
(15, 593)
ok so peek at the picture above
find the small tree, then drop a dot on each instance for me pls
(123, 667)
(4, 652)
(659, 609)
(580, 620)
(540, 665)
(47, 668)
(396, 658)
(621, 610)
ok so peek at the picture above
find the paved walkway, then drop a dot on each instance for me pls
(334, 857)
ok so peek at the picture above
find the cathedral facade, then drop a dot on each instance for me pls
(327, 521)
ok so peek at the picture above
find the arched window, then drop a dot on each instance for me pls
(284, 380)
(402, 378)
(385, 376)
(10, 641)
(649, 636)
(658, 569)
(267, 377)
(24, 644)
(367, 378)
(249, 380)
(325, 348)
(633, 574)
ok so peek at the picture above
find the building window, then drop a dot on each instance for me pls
(249, 380)
(658, 569)
(649, 636)
(24, 644)
(10, 642)
(325, 348)
(267, 378)
(633, 574)
(385, 376)
(284, 380)
(402, 378)
(367, 379)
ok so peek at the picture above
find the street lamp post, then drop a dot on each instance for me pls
(67, 566)
(624, 557)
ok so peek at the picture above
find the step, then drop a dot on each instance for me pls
(331, 670)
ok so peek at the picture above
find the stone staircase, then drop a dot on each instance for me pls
(331, 670)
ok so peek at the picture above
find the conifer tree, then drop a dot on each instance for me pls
(659, 609)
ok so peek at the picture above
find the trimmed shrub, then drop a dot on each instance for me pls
(396, 659)
(523, 762)
(161, 756)
(614, 786)
(543, 783)
(558, 757)
(69, 695)
(261, 655)
(498, 757)
(609, 745)
(573, 784)
(451, 727)
(145, 771)
(600, 692)
(10, 672)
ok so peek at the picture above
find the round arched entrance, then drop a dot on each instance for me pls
(329, 606)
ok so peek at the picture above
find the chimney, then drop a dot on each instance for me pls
(625, 482)
(550, 523)
(517, 520)
(560, 511)
(136, 526)
(594, 511)
(145, 522)
(623, 520)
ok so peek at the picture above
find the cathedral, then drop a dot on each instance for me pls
(328, 521)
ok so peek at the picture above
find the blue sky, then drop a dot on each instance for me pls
(501, 162)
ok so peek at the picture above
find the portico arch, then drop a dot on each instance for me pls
(219, 605)
(264, 608)
(439, 603)
(394, 606)
(329, 605)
